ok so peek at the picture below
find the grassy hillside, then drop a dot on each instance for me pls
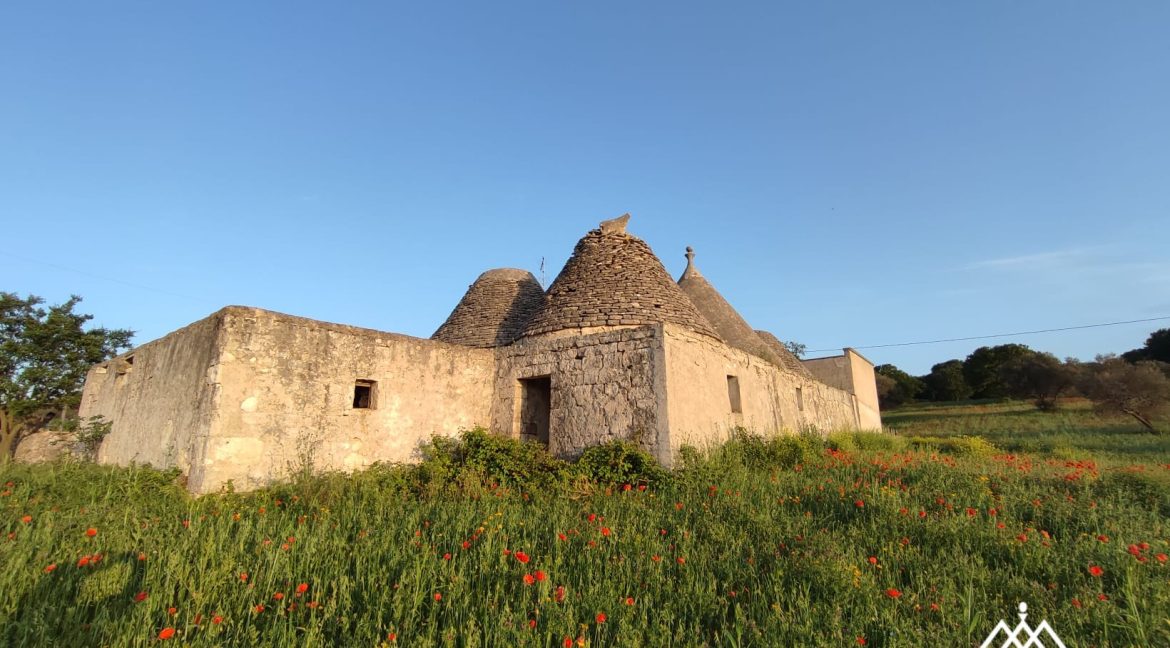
(925, 537)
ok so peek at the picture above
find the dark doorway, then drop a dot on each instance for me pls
(535, 403)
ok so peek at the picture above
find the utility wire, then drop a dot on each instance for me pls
(997, 335)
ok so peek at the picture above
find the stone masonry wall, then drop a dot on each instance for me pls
(699, 407)
(606, 385)
(158, 398)
(287, 397)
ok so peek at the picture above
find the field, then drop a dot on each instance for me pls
(924, 537)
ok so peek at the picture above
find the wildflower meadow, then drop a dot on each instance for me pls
(923, 536)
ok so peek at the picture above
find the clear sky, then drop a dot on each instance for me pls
(850, 173)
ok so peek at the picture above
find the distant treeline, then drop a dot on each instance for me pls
(1136, 383)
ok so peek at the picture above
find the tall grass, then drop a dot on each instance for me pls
(790, 541)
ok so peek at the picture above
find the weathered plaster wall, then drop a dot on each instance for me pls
(699, 408)
(865, 389)
(853, 373)
(287, 387)
(605, 385)
(160, 405)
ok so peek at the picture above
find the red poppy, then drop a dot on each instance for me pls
(540, 576)
(629, 600)
(466, 544)
(446, 556)
(392, 637)
(522, 557)
(278, 596)
(529, 579)
(861, 641)
(605, 531)
(568, 642)
(859, 504)
(1095, 570)
(140, 597)
(49, 568)
(893, 593)
(562, 537)
(166, 633)
(680, 560)
(592, 517)
(171, 611)
(655, 558)
(259, 608)
(26, 519)
(244, 577)
(1161, 557)
(1076, 603)
(1103, 538)
(83, 561)
(438, 596)
(559, 594)
(873, 560)
(601, 617)
(217, 619)
(91, 532)
(302, 588)
(532, 624)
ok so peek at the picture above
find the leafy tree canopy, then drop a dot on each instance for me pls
(945, 382)
(1157, 348)
(44, 356)
(981, 369)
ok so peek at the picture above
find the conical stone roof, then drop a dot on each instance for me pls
(494, 311)
(730, 325)
(614, 279)
(788, 360)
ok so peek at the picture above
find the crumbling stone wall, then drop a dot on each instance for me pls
(699, 409)
(158, 398)
(286, 397)
(606, 385)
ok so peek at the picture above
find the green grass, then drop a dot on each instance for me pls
(760, 543)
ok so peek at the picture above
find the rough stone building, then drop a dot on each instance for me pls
(614, 349)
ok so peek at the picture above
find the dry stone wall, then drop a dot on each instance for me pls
(605, 386)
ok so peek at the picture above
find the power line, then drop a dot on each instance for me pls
(997, 335)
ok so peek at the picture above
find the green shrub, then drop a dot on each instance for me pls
(756, 451)
(960, 446)
(619, 462)
(479, 456)
(853, 441)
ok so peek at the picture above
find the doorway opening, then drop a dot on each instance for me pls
(535, 405)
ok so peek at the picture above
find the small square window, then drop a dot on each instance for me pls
(365, 394)
(733, 395)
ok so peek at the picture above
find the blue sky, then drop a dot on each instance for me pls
(850, 173)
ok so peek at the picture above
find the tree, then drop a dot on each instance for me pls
(44, 356)
(945, 382)
(981, 368)
(1141, 389)
(796, 348)
(1039, 376)
(895, 386)
(1157, 348)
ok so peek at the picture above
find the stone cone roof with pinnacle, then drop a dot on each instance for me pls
(494, 311)
(730, 325)
(614, 279)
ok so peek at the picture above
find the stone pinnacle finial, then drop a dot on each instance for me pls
(615, 225)
(690, 256)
